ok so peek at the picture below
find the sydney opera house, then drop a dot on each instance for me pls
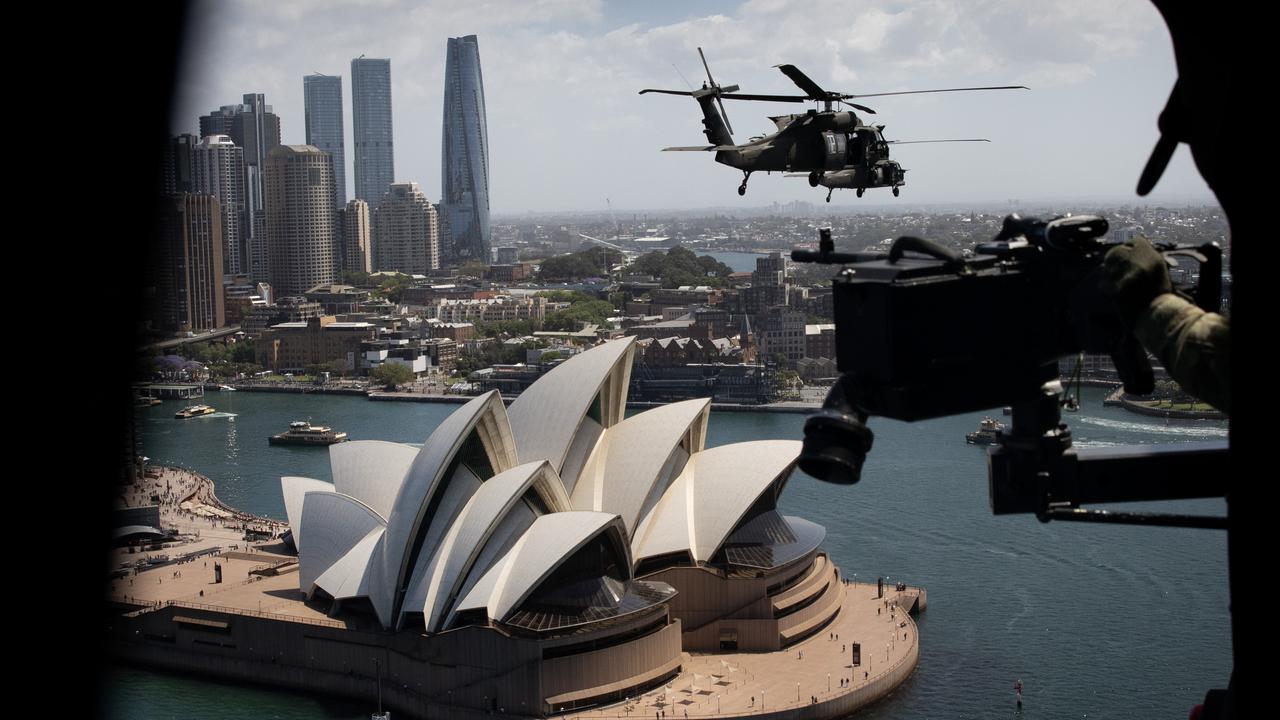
(557, 553)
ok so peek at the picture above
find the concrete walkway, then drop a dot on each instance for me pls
(725, 685)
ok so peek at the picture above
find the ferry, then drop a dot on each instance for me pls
(193, 411)
(986, 434)
(302, 432)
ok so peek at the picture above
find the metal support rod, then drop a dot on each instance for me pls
(1130, 518)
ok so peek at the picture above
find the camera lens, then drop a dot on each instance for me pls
(835, 446)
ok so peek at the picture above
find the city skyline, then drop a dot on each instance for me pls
(567, 129)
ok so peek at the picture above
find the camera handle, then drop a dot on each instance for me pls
(1035, 469)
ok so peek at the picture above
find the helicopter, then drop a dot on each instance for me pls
(837, 142)
(875, 169)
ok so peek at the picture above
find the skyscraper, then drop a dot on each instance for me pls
(405, 235)
(322, 100)
(465, 154)
(301, 231)
(371, 119)
(357, 247)
(219, 171)
(188, 271)
(256, 129)
(178, 164)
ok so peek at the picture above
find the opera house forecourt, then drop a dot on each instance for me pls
(552, 557)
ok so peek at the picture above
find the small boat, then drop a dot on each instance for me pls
(194, 411)
(302, 432)
(226, 388)
(143, 401)
(988, 433)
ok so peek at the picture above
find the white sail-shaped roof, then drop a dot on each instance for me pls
(371, 471)
(546, 417)
(709, 499)
(634, 460)
(550, 541)
(427, 479)
(338, 523)
(294, 488)
(485, 511)
(354, 575)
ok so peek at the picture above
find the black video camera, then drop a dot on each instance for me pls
(925, 331)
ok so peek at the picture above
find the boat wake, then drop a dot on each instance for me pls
(1180, 430)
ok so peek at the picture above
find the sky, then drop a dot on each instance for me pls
(568, 130)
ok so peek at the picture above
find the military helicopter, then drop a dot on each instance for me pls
(875, 169)
(820, 142)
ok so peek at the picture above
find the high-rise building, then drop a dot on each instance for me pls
(300, 229)
(465, 154)
(256, 129)
(357, 248)
(188, 268)
(371, 120)
(178, 164)
(219, 171)
(405, 235)
(322, 100)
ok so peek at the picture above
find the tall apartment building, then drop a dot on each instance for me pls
(301, 228)
(405, 235)
(188, 267)
(357, 245)
(219, 171)
(256, 129)
(322, 104)
(371, 120)
(465, 154)
(178, 164)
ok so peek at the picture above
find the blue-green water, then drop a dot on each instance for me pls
(1098, 621)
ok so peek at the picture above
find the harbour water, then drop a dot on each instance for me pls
(1097, 621)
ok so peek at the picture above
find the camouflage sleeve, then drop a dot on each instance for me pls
(1194, 345)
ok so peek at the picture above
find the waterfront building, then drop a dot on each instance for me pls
(371, 120)
(563, 538)
(188, 270)
(820, 340)
(301, 227)
(254, 128)
(219, 171)
(357, 244)
(293, 346)
(322, 106)
(465, 155)
(405, 234)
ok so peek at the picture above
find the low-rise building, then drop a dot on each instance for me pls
(293, 346)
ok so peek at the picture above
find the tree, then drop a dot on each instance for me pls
(391, 374)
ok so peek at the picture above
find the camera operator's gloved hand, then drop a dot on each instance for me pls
(1136, 274)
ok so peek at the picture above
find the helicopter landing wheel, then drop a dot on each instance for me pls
(742, 189)
(895, 192)
(860, 191)
(814, 178)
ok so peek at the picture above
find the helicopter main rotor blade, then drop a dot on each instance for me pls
(804, 82)
(766, 98)
(668, 92)
(856, 106)
(915, 142)
(918, 92)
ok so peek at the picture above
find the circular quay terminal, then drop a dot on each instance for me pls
(550, 558)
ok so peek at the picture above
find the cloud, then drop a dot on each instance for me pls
(561, 83)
